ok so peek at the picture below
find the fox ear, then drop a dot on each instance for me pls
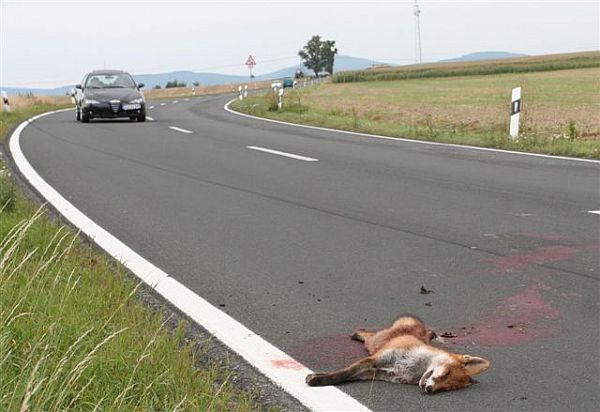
(474, 365)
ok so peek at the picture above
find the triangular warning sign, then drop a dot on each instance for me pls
(250, 61)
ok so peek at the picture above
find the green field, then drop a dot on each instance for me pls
(74, 334)
(560, 109)
(551, 62)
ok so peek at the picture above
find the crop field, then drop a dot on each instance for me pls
(550, 62)
(560, 109)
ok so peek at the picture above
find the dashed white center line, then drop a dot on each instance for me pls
(175, 101)
(187, 100)
(150, 118)
(163, 104)
(596, 212)
(151, 107)
(180, 129)
(277, 152)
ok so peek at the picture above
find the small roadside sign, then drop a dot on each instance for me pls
(250, 62)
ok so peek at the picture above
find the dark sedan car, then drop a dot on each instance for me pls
(109, 94)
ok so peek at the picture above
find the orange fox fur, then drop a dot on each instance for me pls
(403, 353)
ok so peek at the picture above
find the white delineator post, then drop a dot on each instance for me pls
(5, 103)
(194, 91)
(515, 110)
(245, 91)
(240, 92)
(280, 102)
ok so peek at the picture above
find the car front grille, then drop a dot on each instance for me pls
(114, 105)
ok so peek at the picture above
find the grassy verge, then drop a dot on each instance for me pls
(73, 334)
(474, 68)
(560, 110)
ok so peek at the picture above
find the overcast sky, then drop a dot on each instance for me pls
(52, 43)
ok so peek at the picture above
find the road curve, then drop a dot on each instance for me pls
(306, 235)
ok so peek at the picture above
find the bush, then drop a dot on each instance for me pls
(572, 130)
(175, 83)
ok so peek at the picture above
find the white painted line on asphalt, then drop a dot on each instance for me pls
(180, 129)
(151, 107)
(401, 139)
(596, 212)
(187, 100)
(277, 152)
(150, 118)
(282, 369)
(163, 104)
(175, 101)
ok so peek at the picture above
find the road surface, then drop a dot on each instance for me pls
(305, 236)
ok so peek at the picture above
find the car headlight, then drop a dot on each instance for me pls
(139, 100)
(90, 101)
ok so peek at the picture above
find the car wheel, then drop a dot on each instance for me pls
(141, 117)
(132, 118)
(85, 117)
(77, 115)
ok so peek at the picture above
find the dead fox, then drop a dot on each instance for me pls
(402, 353)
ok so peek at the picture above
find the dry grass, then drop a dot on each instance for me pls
(156, 94)
(560, 109)
(21, 102)
(550, 101)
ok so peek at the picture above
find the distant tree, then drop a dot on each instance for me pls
(175, 83)
(196, 84)
(157, 86)
(318, 55)
(329, 51)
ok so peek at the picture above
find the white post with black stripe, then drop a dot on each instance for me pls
(5, 103)
(515, 110)
(280, 100)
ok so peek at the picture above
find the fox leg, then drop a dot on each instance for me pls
(361, 370)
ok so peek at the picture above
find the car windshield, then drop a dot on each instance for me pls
(109, 81)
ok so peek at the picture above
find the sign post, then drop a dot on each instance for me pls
(515, 110)
(250, 63)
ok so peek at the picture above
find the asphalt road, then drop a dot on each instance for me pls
(305, 252)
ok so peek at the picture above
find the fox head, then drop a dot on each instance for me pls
(453, 374)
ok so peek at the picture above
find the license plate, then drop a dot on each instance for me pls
(134, 106)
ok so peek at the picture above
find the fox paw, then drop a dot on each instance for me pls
(311, 379)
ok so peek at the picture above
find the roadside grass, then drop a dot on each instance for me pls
(560, 110)
(73, 333)
(550, 62)
(201, 90)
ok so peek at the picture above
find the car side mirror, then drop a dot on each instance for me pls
(140, 85)
(78, 86)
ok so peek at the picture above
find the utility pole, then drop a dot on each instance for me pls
(417, 12)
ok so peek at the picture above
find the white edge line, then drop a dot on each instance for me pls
(150, 118)
(596, 212)
(402, 139)
(277, 152)
(180, 129)
(253, 348)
